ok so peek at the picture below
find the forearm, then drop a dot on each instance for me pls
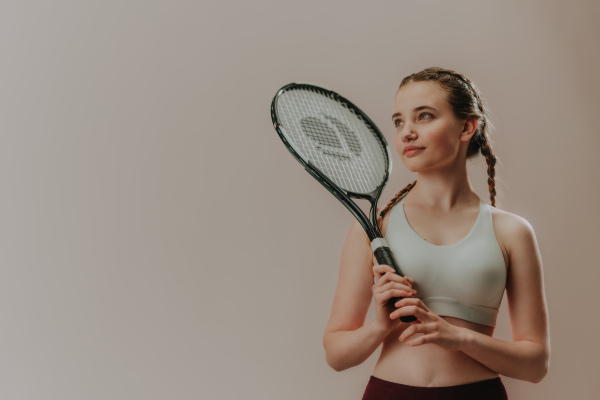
(523, 360)
(346, 349)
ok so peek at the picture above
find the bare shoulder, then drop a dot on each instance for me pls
(511, 229)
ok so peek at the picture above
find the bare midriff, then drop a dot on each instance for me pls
(430, 365)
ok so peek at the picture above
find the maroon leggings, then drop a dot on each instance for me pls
(379, 389)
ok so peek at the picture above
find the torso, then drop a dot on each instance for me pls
(429, 364)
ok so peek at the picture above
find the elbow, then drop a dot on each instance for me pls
(333, 365)
(542, 369)
(539, 376)
(328, 356)
(337, 366)
(543, 372)
(334, 362)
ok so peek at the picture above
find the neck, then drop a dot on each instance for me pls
(443, 188)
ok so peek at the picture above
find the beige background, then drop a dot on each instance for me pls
(158, 241)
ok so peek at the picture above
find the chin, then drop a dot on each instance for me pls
(414, 166)
(415, 170)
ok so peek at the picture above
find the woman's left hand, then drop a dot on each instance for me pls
(435, 329)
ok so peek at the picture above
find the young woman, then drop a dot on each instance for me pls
(458, 255)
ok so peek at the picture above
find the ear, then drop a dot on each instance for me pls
(469, 129)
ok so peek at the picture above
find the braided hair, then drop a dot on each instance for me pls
(466, 102)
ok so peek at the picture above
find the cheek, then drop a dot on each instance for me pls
(440, 140)
(398, 142)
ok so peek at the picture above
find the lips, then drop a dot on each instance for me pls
(409, 148)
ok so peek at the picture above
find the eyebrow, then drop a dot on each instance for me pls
(415, 109)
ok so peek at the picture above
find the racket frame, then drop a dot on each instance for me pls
(371, 227)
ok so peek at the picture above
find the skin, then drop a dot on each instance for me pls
(442, 208)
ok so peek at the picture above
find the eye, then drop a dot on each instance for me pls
(429, 116)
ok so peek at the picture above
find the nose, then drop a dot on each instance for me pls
(408, 133)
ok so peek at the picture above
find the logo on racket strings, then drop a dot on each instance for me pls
(326, 133)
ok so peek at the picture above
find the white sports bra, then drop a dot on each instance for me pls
(465, 280)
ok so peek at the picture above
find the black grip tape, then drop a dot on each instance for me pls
(384, 256)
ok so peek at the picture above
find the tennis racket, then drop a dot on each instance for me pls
(342, 149)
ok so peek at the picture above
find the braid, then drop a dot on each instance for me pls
(490, 158)
(481, 140)
(390, 204)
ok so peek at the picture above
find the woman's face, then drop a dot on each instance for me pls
(422, 117)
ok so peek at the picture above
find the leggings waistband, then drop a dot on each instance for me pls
(380, 389)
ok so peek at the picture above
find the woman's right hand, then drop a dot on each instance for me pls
(389, 284)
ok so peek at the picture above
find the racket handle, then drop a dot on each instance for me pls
(384, 255)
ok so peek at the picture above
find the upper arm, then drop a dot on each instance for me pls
(355, 281)
(525, 285)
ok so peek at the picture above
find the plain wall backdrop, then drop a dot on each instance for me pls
(157, 240)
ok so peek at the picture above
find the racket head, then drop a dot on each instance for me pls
(339, 145)
(333, 139)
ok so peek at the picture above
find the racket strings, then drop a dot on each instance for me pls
(334, 138)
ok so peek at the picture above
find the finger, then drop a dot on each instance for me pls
(431, 338)
(391, 285)
(400, 286)
(395, 278)
(384, 297)
(379, 270)
(418, 312)
(414, 301)
(408, 332)
(400, 279)
(381, 287)
(382, 279)
(411, 330)
(382, 269)
(387, 269)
